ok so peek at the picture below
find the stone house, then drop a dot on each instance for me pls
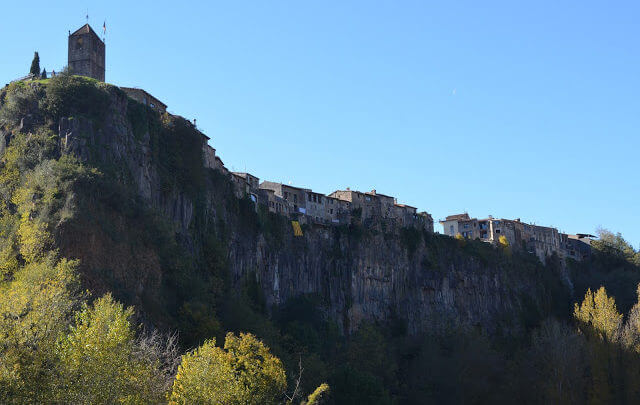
(386, 204)
(461, 224)
(143, 97)
(219, 165)
(338, 211)
(274, 203)
(316, 207)
(576, 247)
(426, 221)
(367, 203)
(294, 196)
(542, 241)
(246, 184)
(405, 214)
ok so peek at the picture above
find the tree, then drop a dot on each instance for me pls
(100, 361)
(35, 65)
(44, 74)
(599, 312)
(614, 246)
(556, 361)
(319, 396)
(34, 308)
(631, 331)
(244, 371)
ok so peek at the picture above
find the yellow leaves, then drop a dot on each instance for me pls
(244, 371)
(34, 309)
(599, 311)
(503, 242)
(318, 396)
(98, 360)
(34, 238)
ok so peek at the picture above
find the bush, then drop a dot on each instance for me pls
(244, 371)
(21, 101)
(68, 96)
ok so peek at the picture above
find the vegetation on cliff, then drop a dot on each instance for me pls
(96, 283)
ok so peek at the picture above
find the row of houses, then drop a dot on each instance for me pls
(337, 208)
(543, 241)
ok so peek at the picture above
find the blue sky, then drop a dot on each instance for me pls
(500, 108)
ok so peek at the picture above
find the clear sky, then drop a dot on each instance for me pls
(500, 108)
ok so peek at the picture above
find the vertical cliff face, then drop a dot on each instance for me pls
(157, 208)
(376, 277)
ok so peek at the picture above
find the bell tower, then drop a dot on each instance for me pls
(86, 53)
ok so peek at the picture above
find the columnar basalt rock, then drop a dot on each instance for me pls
(364, 271)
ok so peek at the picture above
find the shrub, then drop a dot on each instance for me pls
(21, 101)
(244, 371)
(68, 95)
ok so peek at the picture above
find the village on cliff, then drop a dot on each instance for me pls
(86, 57)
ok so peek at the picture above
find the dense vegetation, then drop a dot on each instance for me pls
(217, 344)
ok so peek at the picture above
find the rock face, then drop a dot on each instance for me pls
(359, 272)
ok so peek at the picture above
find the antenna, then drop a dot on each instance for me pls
(87, 16)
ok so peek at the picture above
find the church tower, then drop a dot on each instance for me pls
(86, 53)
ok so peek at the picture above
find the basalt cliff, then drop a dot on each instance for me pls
(161, 231)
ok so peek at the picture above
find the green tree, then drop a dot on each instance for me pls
(44, 74)
(243, 372)
(35, 65)
(614, 246)
(99, 359)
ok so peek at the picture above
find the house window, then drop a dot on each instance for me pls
(451, 229)
(309, 195)
(295, 198)
(497, 230)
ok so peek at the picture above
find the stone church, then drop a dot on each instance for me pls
(86, 53)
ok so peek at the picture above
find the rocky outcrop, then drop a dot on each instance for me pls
(359, 272)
